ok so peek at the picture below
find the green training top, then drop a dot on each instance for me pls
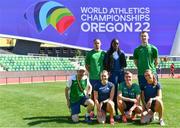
(95, 60)
(75, 92)
(145, 56)
(131, 92)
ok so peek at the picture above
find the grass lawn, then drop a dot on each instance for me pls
(44, 105)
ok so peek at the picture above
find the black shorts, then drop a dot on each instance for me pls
(153, 105)
(104, 106)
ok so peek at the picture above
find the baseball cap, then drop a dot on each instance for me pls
(81, 68)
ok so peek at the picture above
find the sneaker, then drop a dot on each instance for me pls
(112, 121)
(91, 114)
(75, 118)
(150, 117)
(155, 116)
(147, 118)
(124, 120)
(101, 117)
(162, 122)
(88, 119)
(117, 117)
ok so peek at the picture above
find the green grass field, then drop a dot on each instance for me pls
(44, 105)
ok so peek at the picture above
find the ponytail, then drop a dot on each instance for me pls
(154, 80)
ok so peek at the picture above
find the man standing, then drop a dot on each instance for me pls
(77, 95)
(95, 63)
(145, 57)
(172, 69)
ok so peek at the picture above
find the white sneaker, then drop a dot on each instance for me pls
(155, 116)
(146, 119)
(162, 122)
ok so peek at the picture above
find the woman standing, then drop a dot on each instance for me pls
(115, 62)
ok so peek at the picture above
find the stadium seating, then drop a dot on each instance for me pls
(31, 63)
(131, 65)
(41, 63)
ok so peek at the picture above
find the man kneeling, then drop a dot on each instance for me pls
(77, 95)
(129, 98)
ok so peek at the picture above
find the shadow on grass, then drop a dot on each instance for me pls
(138, 123)
(57, 119)
(32, 121)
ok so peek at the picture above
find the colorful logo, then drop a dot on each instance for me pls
(46, 13)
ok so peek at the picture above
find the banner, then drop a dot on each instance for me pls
(76, 23)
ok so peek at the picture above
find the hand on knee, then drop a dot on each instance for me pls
(111, 103)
